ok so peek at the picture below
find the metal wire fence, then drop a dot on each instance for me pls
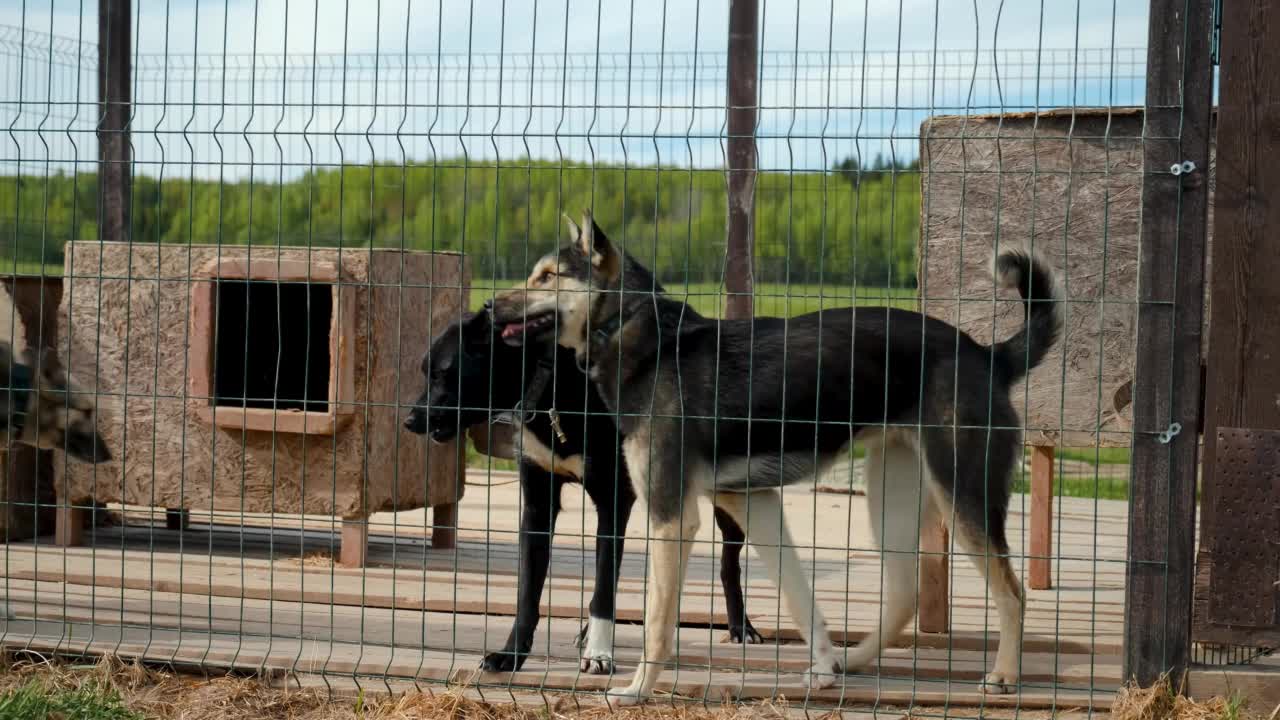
(301, 226)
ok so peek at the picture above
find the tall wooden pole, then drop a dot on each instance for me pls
(1166, 389)
(115, 106)
(742, 91)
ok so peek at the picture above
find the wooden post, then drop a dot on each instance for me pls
(115, 108)
(444, 526)
(68, 527)
(1170, 313)
(1237, 597)
(935, 599)
(1040, 561)
(354, 551)
(744, 45)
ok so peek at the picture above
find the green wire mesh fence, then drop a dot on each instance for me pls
(315, 193)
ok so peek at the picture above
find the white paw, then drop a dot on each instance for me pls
(625, 697)
(999, 683)
(597, 665)
(597, 655)
(823, 674)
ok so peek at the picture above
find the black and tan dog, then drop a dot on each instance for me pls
(732, 409)
(564, 436)
(39, 406)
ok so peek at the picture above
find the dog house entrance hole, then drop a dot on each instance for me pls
(272, 345)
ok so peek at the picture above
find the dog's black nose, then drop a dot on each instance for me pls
(416, 423)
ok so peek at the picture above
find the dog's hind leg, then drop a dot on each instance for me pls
(1006, 591)
(760, 513)
(740, 628)
(613, 498)
(975, 498)
(897, 506)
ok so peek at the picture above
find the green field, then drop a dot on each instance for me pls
(771, 299)
(31, 269)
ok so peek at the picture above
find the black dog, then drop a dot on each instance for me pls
(472, 378)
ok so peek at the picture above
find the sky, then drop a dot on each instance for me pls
(616, 81)
(489, 26)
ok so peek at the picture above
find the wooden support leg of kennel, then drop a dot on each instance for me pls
(229, 408)
(1040, 545)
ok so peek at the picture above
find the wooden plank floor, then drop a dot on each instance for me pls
(261, 592)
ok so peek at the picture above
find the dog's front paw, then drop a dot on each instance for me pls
(823, 674)
(999, 683)
(581, 641)
(503, 661)
(745, 635)
(597, 647)
(624, 697)
(597, 665)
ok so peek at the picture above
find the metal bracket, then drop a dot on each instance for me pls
(1183, 168)
(1167, 436)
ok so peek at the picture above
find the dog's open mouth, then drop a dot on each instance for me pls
(516, 333)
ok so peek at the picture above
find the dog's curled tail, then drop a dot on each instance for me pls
(1035, 283)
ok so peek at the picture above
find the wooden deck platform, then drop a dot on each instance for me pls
(262, 593)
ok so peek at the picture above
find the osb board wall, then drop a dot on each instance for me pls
(125, 317)
(1069, 185)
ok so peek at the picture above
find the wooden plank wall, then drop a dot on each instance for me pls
(1243, 375)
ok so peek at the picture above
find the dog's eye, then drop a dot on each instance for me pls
(545, 277)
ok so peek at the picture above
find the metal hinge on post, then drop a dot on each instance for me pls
(1215, 40)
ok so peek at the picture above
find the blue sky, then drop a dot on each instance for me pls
(633, 91)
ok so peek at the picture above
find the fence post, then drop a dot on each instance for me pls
(115, 107)
(742, 81)
(1166, 394)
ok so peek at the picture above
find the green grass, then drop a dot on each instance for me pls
(36, 701)
(772, 299)
(31, 268)
(1096, 456)
(1106, 487)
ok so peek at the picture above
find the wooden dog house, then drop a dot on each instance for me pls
(259, 380)
(1068, 184)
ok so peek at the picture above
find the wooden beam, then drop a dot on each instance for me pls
(354, 551)
(444, 526)
(115, 174)
(1170, 313)
(68, 527)
(743, 103)
(935, 598)
(1040, 562)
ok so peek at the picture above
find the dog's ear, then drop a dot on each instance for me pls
(595, 245)
(575, 232)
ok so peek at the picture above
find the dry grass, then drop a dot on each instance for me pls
(318, 559)
(150, 693)
(1162, 702)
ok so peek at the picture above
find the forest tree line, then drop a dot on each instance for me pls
(849, 225)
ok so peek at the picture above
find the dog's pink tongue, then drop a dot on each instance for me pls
(512, 330)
